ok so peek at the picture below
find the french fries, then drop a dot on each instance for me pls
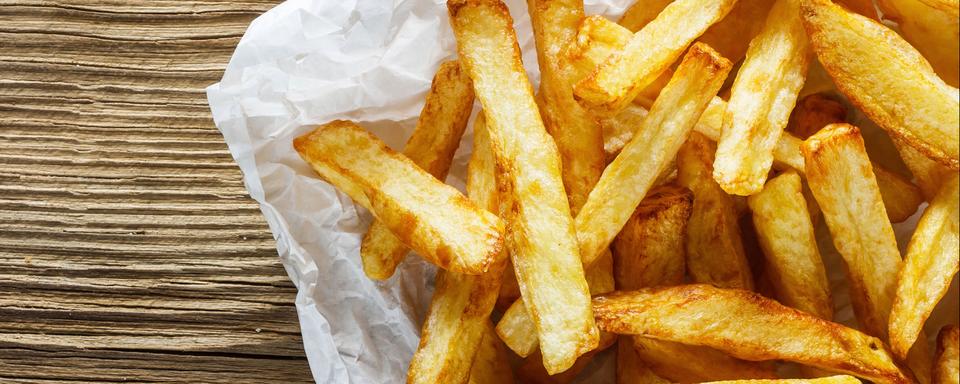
(947, 366)
(541, 239)
(813, 112)
(731, 35)
(642, 13)
(928, 173)
(761, 99)
(490, 366)
(901, 198)
(431, 147)
(933, 258)
(933, 29)
(458, 318)
(839, 379)
(683, 363)
(950, 6)
(630, 369)
(434, 219)
(622, 76)
(714, 317)
(649, 250)
(618, 130)
(670, 120)
(887, 79)
(786, 236)
(714, 247)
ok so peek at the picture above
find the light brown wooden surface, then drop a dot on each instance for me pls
(129, 249)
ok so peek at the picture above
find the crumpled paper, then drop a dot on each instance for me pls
(305, 63)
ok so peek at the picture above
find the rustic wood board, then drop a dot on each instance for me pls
(129, 248)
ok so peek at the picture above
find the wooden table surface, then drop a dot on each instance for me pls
(129, 248)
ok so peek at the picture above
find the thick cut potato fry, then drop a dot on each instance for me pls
(715, 252)
(786, 236)
(933, 258)
(628, 178)
(541, 238)
(928, 173)
(649, 250)
(630, 369)
(731, 36)
(681, 363)
(933, 31)
(622, 76)
(839, 379)
(763, 94)
(490, 366)
(434, 219)
(887, 79)
(431, 146)
(863, 7)
(950, 6)
(618, 130)
(460, 309)
(813, 112)
(715, 317)
(514, 329)
(901, 198)
(947, 366)
(642, 13)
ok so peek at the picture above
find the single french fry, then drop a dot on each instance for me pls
(933, 258)
(786, 235)
(714, 317)
(434, 219)
(490, 366)
(460, 309)
(813, 112)
(863, 7)
(649, 251)
(839, 379)
(541, 238)
(642, 13)
(627, 179)
(514, 329)
(681, 363)
(618, 130)
(887, 79)
(950, 6)
(946, 369)
(431, 146)
(731, 35)
(933, 29)
(715, 252)
(928, 173)
(632, 370)
(763, 94)
(901, 198)
(621, 77)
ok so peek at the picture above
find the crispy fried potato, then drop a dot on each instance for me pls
(597, 39)
(928, 173)
(514, 329)
(646, 156)
(434, 219)
(649, 251)
(630, 369)
(839, 379)
(618, 130)
(622, 76)
(541, 238)
(933, 30)
(813, 112)
(642, 13)
(947, 367)
(460, 309)
(714, 248)
(490, 366)
(863, 7)
(933, 258)
(715, 317)
(761, 99)
(731, 36)
(887, 79)
(901, 198)
(950, 6)
(786, 236)
(509, 288)
(683, 363)
(431, 146)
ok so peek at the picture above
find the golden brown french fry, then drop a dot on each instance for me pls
(932, 30)
(842, 180)
(509, 288)
(714, 248)
(681, 363)
(649, 251)
(901, 198)
(839, 379)
(434, 219)
(541, 240)
(431, 146)
(761, 99)
(460, 309)
(618, 130)
(863, 7)
(642, 13)
(622, 76)
(786, 236)
(514, 329)
(813, 112)
(887, 79)
(731, 36)
(490, 366)
(670, 120)
(714, 317)
(933, 258)
(950, 6)
(630, 369)
(947, 367)
(928, 173)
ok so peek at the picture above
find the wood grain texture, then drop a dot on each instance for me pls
(129, 248)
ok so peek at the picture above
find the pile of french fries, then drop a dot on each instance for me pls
(644, 197)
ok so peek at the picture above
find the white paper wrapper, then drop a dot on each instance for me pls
(308, 62)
